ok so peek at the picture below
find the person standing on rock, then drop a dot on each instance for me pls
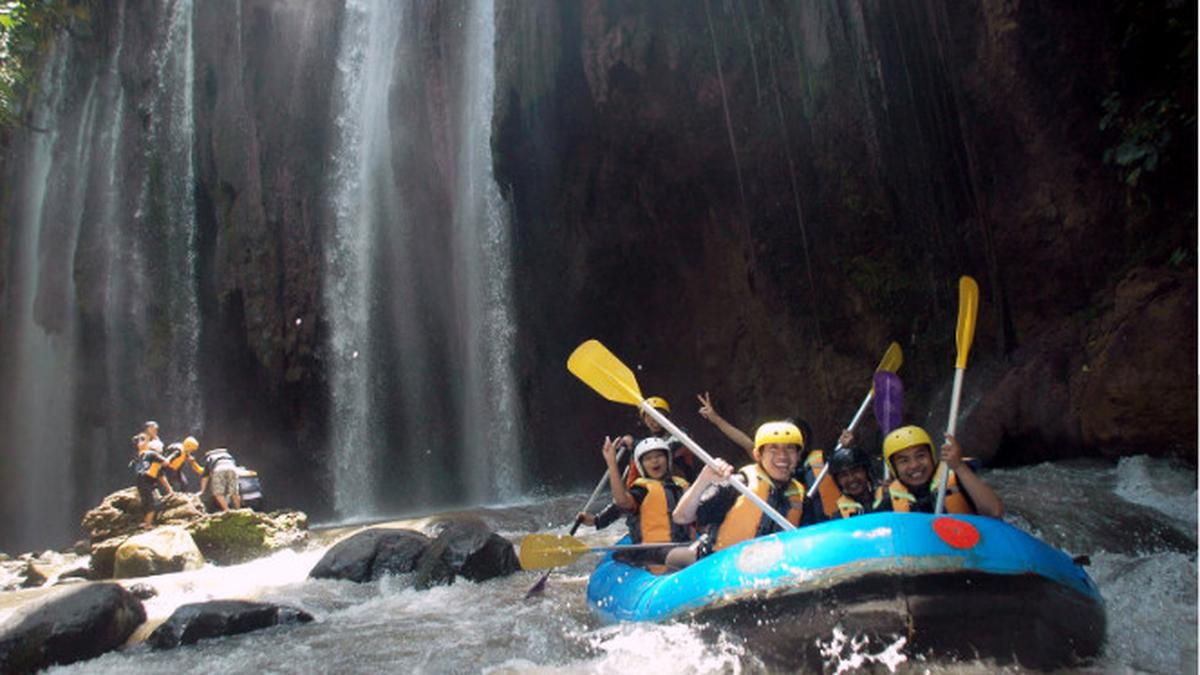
(179, 454)
(221, 468)
(147, 464)
(153, 442)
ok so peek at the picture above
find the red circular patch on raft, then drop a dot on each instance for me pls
(957, 533)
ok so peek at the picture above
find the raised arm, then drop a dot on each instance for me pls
(731, 432)
(620, 493)
(987, 502)
(685, 510)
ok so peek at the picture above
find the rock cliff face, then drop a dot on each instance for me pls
(744, 196)
(752, 198)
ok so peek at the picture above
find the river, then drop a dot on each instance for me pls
(1136, 520)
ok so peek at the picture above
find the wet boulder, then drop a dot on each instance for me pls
(32, 570)
(239, 535)
(159, 551)
(70, 625)
(143, 591)
(104, 556)
(121, 513)
(197, 621)
(467, 547)
(371, 554)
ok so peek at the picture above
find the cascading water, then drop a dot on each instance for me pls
(167, 207)
(40, 330)
(417, 275)
(116, 210)
(489, 411)
(361, 205)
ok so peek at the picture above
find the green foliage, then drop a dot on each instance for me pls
(1150, 114)
(1145, 135)
(27, 27)
(882, 278)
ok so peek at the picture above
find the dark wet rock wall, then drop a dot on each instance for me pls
(743, 196)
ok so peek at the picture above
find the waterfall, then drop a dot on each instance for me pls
(361, 205)
(167, 209)
(100, 321)
(39, 333)
(417, 278)
(481, 222)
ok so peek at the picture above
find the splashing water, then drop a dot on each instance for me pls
(1150, 588)
(845, 653)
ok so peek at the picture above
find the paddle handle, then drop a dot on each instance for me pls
(707, 459)
(951, 425)
(862, 409)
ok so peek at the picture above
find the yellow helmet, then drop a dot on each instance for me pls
(777, 432)
(659, 402)
(904, 438)
(190, 444)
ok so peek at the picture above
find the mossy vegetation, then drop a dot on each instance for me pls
(27, 28)
(232, 537)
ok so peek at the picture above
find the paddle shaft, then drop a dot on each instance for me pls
(541, 582)
(599, 487)
(638, 547)
(853, 423)
(707, 459)
(951, 424)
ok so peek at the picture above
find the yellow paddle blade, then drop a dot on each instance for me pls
(893, 358)
(600, 370)
(968, 309)
(542, 551)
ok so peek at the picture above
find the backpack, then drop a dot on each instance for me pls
(141, 464)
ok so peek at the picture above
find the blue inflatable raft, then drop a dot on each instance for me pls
(951, 586)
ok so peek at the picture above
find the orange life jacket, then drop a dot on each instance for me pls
(744, 517)
(652, 523)
(902, 500)
(847, 507)
(815, 463)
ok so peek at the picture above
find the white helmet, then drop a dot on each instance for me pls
(648, 445)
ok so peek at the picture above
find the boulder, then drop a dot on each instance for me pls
(159, 551)
(197, 621)
(240, 535)
(465, 546)
(370, 554)
(104, 556)
(70, 625)
(143, 591)
(31, 571)
(121, 513)
(1138, 392)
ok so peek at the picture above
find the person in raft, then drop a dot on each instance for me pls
(683, 463)
(909, 450)
(147, 466)
(850, 468)
(648, 503)
(723, 514)
(806, 472)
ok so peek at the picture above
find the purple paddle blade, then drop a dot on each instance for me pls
(889, 401)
